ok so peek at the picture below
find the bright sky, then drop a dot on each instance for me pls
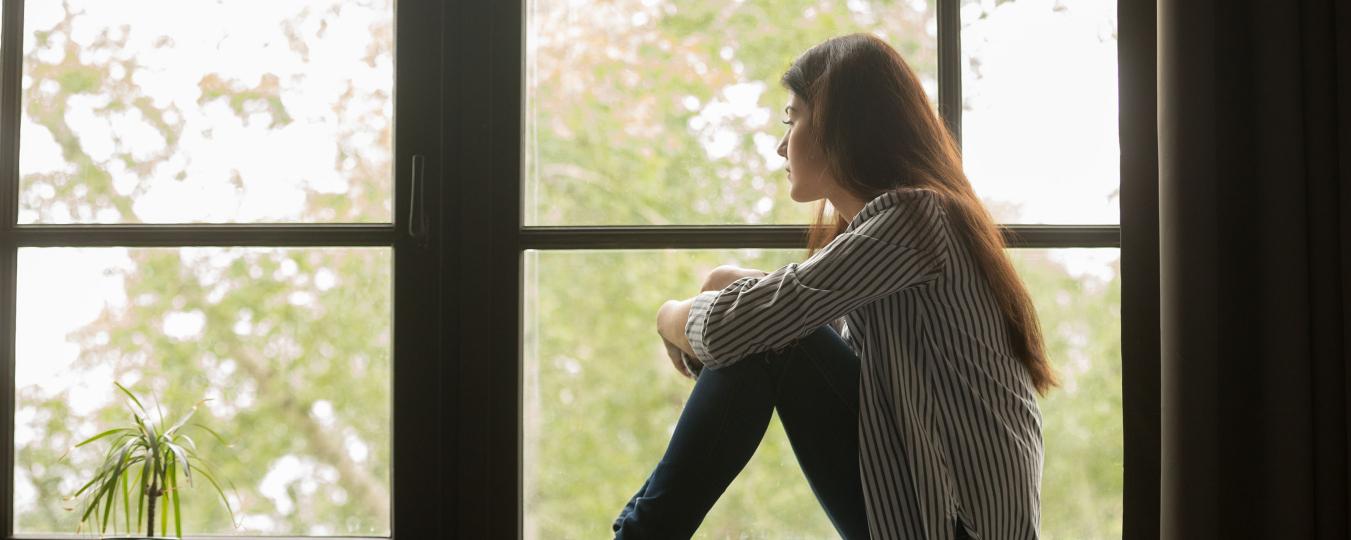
(1041, 127)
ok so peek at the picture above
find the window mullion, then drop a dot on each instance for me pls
(949, 66)
(10, 76)
(11, 43)
(780, 237)
(288, 235)
(420, 427)
(8, 270)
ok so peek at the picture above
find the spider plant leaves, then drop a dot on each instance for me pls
(213, 434)
(146, 432)
(100, 436)
(156, 457)
(133, 398)
(214, 483)
(91, 482)
(163, 519)
(185, 419)
(105, 482)
(182, 457)
(144, 482)
(160, 410)
(126, 501)
(191, 444)
(112, 484)
(173, 496)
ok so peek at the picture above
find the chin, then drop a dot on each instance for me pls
(802, 198)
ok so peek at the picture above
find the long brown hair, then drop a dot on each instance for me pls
(879, 132)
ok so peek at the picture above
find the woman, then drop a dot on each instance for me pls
(919, 418)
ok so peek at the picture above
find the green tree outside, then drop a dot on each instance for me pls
(294, 343)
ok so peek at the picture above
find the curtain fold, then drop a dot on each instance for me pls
(1254, 191)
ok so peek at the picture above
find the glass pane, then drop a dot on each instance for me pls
(652, 112)
(601, 399)
(178, 111)
(1078, 297)
(291, 346)
(1039, 112)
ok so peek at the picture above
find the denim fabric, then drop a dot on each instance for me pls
(813, 383)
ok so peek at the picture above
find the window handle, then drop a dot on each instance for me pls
(417, 205)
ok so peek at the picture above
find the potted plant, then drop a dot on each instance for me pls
(144, 462)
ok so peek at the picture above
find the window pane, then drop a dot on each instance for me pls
(601, 399)
(292, 346)
(651, 112)
(177, 111)
(1039, 113)
(1078, 297)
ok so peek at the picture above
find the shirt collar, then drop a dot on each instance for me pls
(879, 203)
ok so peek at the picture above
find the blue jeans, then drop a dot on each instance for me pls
(813, 383)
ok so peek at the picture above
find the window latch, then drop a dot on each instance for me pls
(417, 204)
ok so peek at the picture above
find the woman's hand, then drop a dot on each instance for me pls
(674, 354)
(671, 323)
(672, 316)
(724, 275)
(671, 326)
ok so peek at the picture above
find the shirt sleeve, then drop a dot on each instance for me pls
(695, 368)
(752, 314)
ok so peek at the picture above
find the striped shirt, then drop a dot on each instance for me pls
(949, 425)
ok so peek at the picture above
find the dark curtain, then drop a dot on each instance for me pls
(1137, 53)
(1254, 202)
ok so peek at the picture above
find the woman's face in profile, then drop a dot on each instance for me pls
(806, 162)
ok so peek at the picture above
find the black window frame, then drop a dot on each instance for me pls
(419, 26)
(488, 393)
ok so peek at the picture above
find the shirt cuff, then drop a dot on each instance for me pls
(694, 326)
(691, 365)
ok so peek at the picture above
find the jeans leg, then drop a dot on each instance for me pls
(633, 502)
(817, 399)
(719, 429)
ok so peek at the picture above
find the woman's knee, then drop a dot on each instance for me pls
(823, 342)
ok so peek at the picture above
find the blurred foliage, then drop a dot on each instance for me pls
(629, 122)
(635, 104)
(293, 345)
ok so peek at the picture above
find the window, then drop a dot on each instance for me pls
(211, 200)
(649, 158)
(191, 192)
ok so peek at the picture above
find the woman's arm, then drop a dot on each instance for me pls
(901, 247)
(673, 315)
(724, 275)
(671, 323)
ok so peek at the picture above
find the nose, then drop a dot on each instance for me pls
(783, 146)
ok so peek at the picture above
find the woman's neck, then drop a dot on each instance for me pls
(846, 205)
